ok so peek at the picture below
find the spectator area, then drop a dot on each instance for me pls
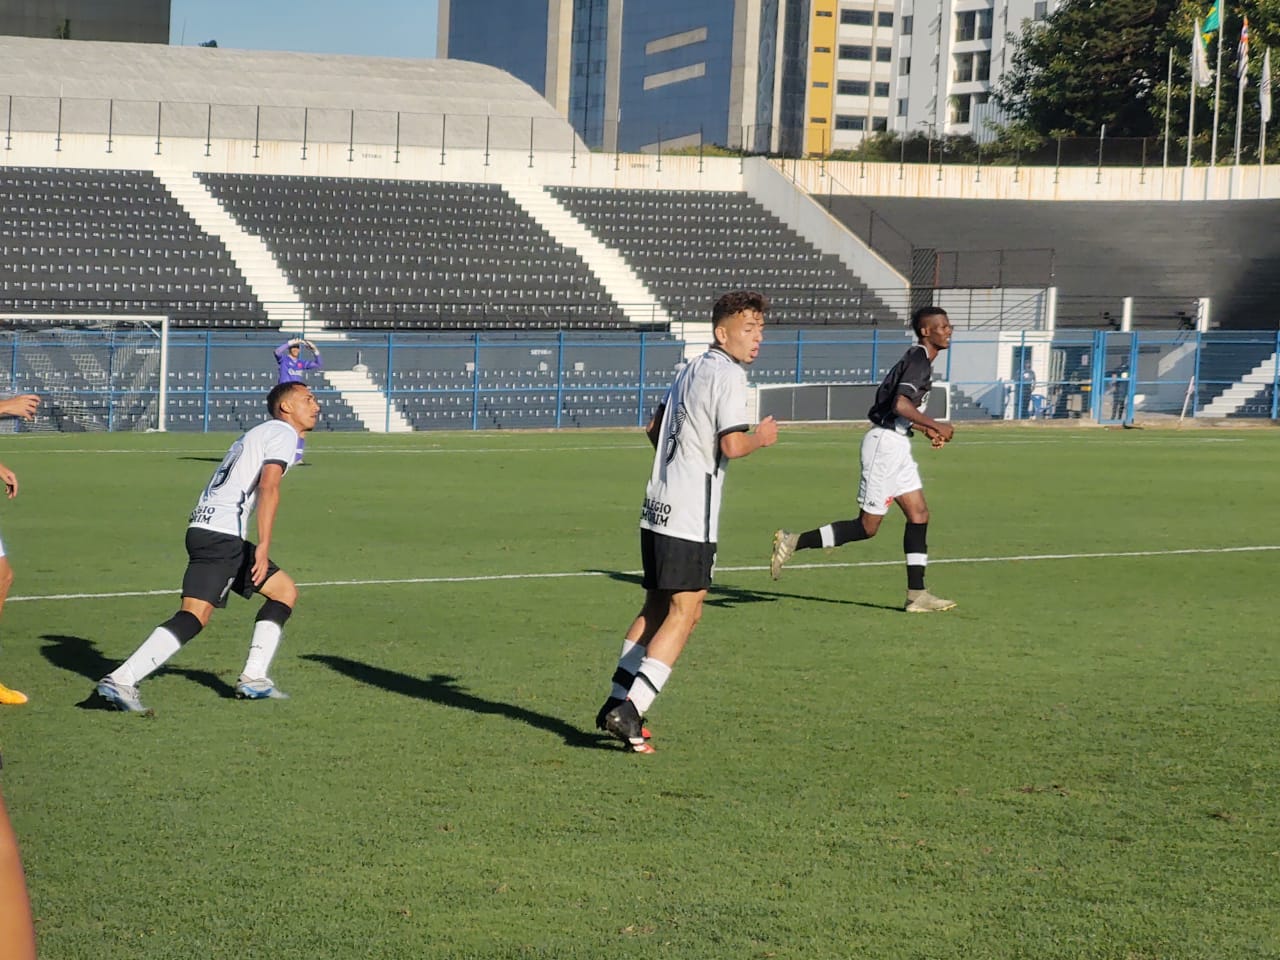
(398, 254)
(691, 246)
(111, 241)
(1164, 254)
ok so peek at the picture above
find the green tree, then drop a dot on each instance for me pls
(1092, 62)
(1106, 61)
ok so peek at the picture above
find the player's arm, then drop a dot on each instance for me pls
(740, 443)
(268, 503)
(23, 406)
(905, 407)
(10, 481)
(654, 429)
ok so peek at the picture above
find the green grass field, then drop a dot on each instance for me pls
(1078, 762)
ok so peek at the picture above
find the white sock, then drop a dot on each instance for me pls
(628, 663)
(649, 682)
(266, 637)
(147, 659)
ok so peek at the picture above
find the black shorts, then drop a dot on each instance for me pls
(674, 565)
(219, 564)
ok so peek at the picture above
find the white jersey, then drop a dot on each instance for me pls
(227, 502)
(707, 400)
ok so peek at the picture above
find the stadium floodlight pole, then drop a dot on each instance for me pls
(1217, 83)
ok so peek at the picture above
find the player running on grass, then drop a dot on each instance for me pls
(889, 472)
(220, 559)
(700, 425)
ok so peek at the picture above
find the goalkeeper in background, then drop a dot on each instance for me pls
(288, 356)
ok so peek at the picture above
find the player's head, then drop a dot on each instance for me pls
(294, 350)
(737, 323)
(295, 404)
(932, 327)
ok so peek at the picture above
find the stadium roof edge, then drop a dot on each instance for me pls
(34, 69)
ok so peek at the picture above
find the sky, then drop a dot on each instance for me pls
(367, 28)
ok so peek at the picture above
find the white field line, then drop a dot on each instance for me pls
(1154, 440)
(488, 578)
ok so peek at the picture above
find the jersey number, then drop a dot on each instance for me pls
(673, 438)
(224, 469)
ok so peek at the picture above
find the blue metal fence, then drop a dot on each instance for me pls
(217, 380)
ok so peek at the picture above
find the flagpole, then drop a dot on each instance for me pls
(1264, 103)
(1168, 99)
(1195, 75)
(1242, 81)
(1217, 83)
(1239, 115)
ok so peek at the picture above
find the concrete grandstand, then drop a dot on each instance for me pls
(358, 198)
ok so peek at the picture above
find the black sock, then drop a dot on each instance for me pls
(914, 545)
(832, 535)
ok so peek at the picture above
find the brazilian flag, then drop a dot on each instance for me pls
(1210, 24)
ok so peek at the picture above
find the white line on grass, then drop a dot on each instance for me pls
(486, 578)
(320, 450)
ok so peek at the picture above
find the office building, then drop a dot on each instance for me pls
(949, 54)
(638, 74)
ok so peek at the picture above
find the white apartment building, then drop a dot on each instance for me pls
(851, 72)
(948, 56)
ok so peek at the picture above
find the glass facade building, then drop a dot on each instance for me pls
(504, 34)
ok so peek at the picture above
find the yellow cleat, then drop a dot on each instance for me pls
(11, 697)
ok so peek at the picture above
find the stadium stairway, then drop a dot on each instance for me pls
(1235, 397)
(637, 301)
(368, 401)
(262, 274)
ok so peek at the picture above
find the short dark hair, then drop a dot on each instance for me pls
(736, 302)
(920, 316)
(278, 393)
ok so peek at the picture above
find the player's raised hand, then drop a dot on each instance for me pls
(10, 481)
(23, 406)
(767, 432)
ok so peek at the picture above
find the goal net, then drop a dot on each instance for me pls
(91, 373)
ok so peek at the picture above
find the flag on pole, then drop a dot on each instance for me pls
(1201, 75)
(1211, 21)
(1242, 54)
(1264, 88)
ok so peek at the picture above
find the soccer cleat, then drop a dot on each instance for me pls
(122, 696)
(263, 688)
(609, 705)
(11, 697)
(784, 545)
(922, 601)
(623, 721)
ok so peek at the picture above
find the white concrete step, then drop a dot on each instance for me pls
(1235, 396)
(637, 301)
(261, 273)
(368, 401)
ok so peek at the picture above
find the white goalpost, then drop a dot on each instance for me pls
(93, 373)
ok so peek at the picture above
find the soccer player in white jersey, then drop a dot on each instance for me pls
(889, 471)
(23, 406)
(700, 426)
(221, 560)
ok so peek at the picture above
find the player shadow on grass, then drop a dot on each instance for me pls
(722, 596)
(80, 655)
(444, 690)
